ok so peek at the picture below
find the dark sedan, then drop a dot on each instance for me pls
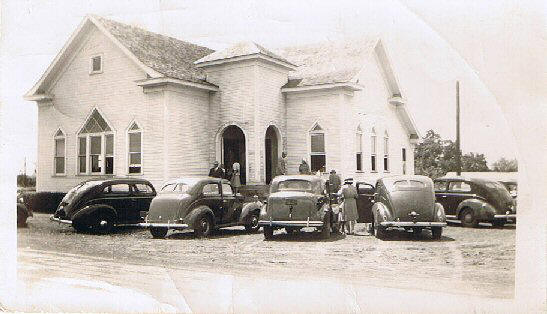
(99, 205)
(475, 200)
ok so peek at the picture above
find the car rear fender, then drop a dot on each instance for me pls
(381, 212)
(192, 217)
(91, 210)
(249, 209)
(439, 213)
(481, 209)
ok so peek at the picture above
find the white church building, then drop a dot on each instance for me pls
(120, 101)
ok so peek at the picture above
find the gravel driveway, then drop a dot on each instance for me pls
(477, 262)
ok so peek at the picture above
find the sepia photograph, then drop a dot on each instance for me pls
(273, 156)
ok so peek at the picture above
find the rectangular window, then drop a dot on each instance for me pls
(318, 158)
(96, 64)
(109, 154)
(386, 154)
(135, 152)
(359, 151)
(373, 153)
(82, 155)
(95, 153)
(59, 156)
(403, 154)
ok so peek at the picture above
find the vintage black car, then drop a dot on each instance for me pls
(100, 205)
(201, 204)
(296, 202)
(475, 200)
(23, 212)
(407, 201)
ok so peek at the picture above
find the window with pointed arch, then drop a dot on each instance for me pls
(386, 151)
(96, 146)
(373, 167)
(60, 153)
(359, 149)
(318, 157)
(134, 140)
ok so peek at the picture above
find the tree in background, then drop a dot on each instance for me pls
(434, 157)
(505, 165)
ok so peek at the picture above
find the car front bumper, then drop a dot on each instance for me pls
(508, 216)
(290, 223)
(412, 224)
(163, 225)
(59, 220)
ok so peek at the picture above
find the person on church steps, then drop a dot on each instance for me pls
(216, 171)
(236, 181)
(304, 168)
(282, 165)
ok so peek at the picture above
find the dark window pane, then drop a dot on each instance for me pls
(373, 163)
(82, 148)
(109, 165)
(135, 142)
(134, 158)
(109, 144)
(318, 162)
(317, 143)
(135, 169)
(60, 147)
(359, 161)
(134, 127)
(95, 164)
(59, 164)
(81, 161)
(96, 61)
(95, 145)
(403, 152)
(386, 168)
(59, 133)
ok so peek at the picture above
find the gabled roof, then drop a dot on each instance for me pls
(157, 55)
(241, 49)
(327, 62)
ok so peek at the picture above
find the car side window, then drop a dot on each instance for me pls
(211, 189)
(117, 189)
(365, 188)
(459, 186)
(440, 186)
(227, 189)
(142, 189)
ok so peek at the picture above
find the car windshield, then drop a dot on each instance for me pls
(84, 186)
(294, 185)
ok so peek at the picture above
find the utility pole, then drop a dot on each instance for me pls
(458, 149)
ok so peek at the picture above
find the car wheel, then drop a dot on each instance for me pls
(468, 219)
(498, 223)
(290, 230)
(103, 223)
(80, 226)
(436, 232)
(325, 231)
(158, 232)
(268, 232)
(252, 226)
(203, 226)
(379, 231)
(417, 232)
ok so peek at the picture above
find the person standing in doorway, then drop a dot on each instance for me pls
(304, 168)
(349, 205)
(282, 165)
(236, 181)
(216, 171)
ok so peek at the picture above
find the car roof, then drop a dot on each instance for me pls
(404, 177)
(475, 180)
(305, 177)
(194, 180)
(118, 180)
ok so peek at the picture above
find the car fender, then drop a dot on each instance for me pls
(88, 211)
(439, 213)
(381, 212)
(482, 209)
(248, 209)
(191, 218)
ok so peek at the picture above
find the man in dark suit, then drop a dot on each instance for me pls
(216, 171)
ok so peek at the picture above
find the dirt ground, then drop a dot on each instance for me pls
(476, 262)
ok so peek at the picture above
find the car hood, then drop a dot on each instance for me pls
(168, 207)
(402, 203)
(292, 205)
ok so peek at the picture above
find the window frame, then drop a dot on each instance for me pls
(91, 71)
(55, 138)
(128, 147)
(373, 151)
(403, 158)
(359, 150)
(317, 129)
(386, 162)
(102, 156)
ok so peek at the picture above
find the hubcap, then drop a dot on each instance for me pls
(103, 223)
(204, 225)
(468, 217)
(254, 221)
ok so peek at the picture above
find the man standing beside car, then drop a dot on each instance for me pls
(282, 165)
(216, 171)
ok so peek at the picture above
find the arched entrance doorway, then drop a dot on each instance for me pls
(233, 149)
(271, 144)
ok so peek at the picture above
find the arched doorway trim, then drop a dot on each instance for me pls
(219, 156)
(280, 147)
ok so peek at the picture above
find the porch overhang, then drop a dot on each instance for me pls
(346, 86)
(38, 97)
(165, 81)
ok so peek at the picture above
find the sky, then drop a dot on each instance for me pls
(425, 63)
